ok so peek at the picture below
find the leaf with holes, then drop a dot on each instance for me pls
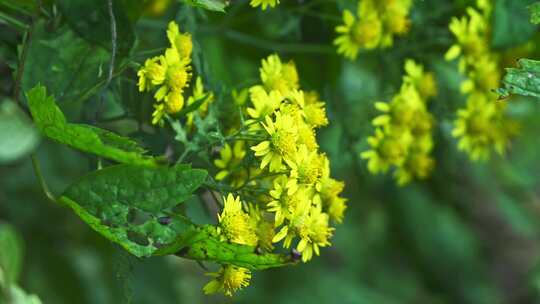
(524, 80)
(134, 206)
(52, 122)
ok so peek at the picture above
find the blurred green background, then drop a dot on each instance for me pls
(468, 234)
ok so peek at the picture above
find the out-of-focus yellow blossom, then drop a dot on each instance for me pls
(482, 125)
(156, 7)
(229, 279)
(424, 82)
(229, 164)
(197, 94)
(170, 73)
(263, 228)
(279, 76)
(264, 3)
(373, 26)
(403, 139)
(471, 35)
(314, 110)
(281, 144)
(234, 223)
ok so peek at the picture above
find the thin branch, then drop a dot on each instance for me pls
(113, 57)
(44, 187)
(22, 62)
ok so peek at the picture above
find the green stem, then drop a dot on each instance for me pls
(13, 22)
(44, 187)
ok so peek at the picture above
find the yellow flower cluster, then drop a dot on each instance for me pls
(373, 26)
(284, 178)
(264, 3)
(403, 137)
(170, 73)
(482, 125)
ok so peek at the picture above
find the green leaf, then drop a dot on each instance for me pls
(91, 21)
(205, 246)
(70, 67)
(52, 122)
(17, 135)
(524, 80)
(19, 296)
(11, 253)
(134, 205)
(534, 9)
(511, 24)
(212, 5)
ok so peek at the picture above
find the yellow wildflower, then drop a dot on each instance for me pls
(263, 103)
(481, 125)
(281, 144)
(198, 94)
(264, 3)
(306, 168)
(170, 72)
(279, 76)
(229, 163)
(234, 223)
(229, 279)
(314, 110)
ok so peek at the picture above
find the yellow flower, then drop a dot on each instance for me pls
(279, 76)
(153, 73)
(178, 74)
(234, 223)
(263, 103)
(355, 34)
(229, 164)
(157, 115)
(281, 144)
(180, 41)
(395, 17)
(470, 32)
(314, 110)
(264, 3)
(481, 125)
(418, 164)
(306, 169)
(386, 150)
(262, 227)
(170, 72)
(424, 82)
(313, 230)
(199, 93)
(229, 279)
(284, 205)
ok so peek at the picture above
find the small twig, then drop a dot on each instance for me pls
(20, 69)
(113, 56)
(44, 187)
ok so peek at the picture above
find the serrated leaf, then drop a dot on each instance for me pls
(52, 122)
(534, 9)
(511, 26)
(17, 135)
(91, 21)
(133, 205)
(524, 80)
(70, 67)
(11, 254)
(212, 5)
